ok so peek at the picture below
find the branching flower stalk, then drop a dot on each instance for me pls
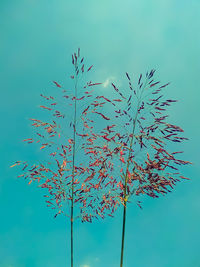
(75, 168)
(125, 191)
(137, 144)
(73, 163)
(126, 178)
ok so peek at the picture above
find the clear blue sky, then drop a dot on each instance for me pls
(36, 42)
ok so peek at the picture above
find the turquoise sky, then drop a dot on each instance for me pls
(36, 42)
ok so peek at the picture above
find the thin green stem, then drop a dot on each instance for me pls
(126, 178)
(73, 171)
(123, 235)
(125, 192)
